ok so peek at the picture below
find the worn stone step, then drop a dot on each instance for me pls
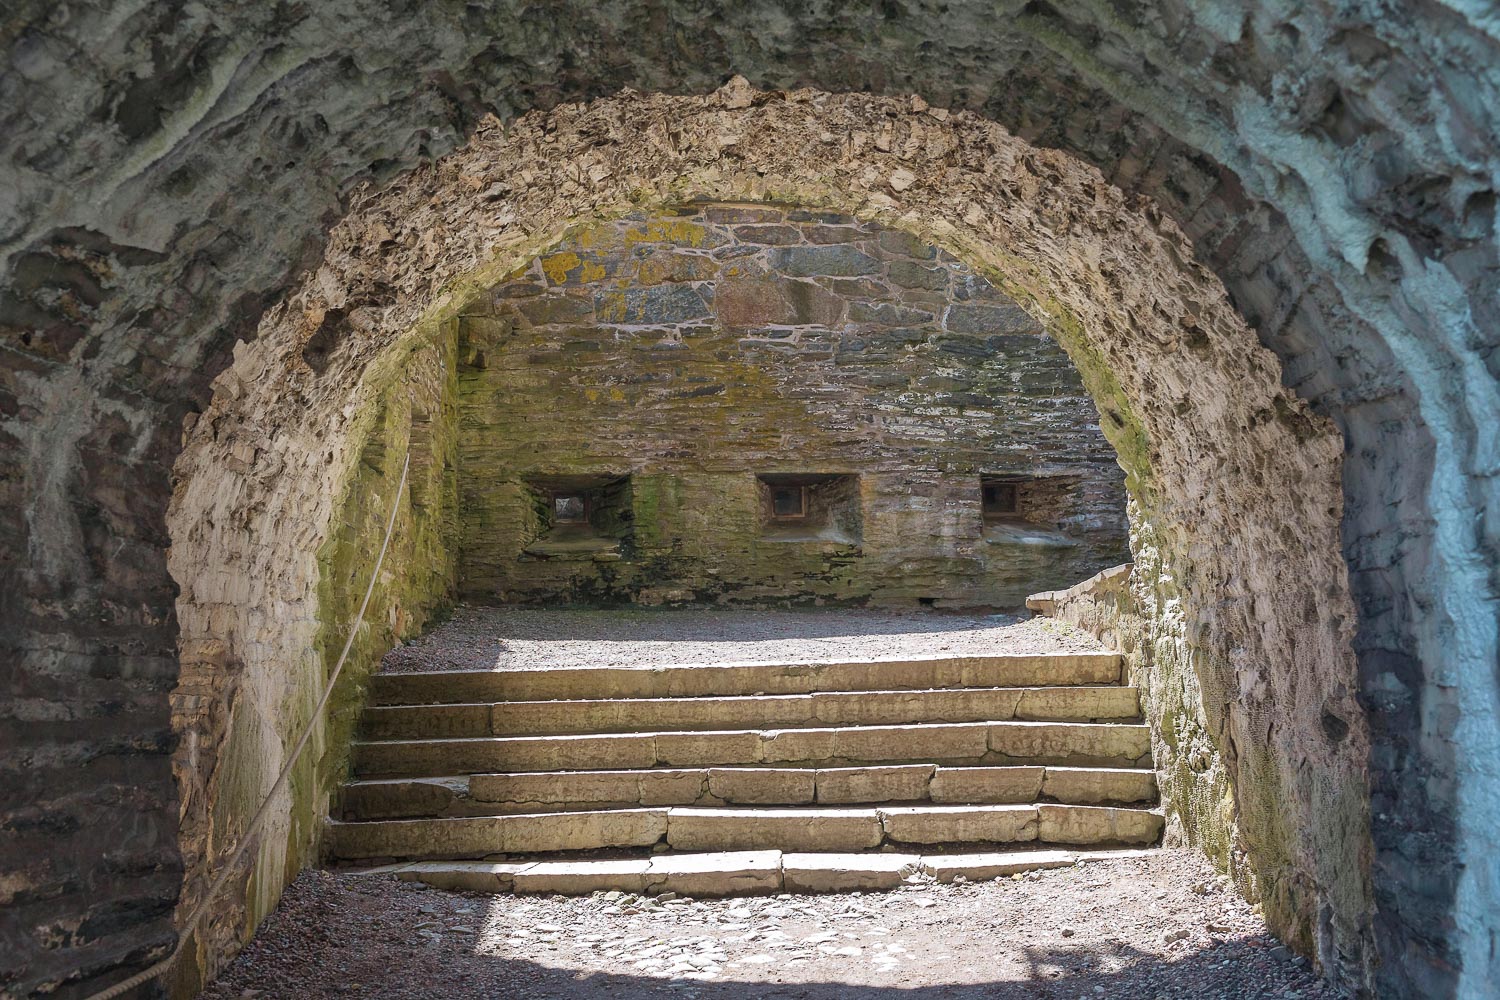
(830, 708)
(549, 791)
(480, 836)
(738, 873)
(717, 680)
(819, 829)
(1010, 742)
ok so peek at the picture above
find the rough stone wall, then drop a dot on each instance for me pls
(172, 168)
(1236, 479)
(259, 642)
(695, 349)
(1134, 608)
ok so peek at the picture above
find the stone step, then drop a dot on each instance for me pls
(572, 791)
(741, 829)
(737, 873)
(832, 708)
(718, 680)
(1080, 744)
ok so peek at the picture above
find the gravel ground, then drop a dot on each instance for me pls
(478, 638)
(1162, 926)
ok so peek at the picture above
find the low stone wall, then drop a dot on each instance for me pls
(1097, 606)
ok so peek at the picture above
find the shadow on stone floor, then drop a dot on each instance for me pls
(366, 939)
(1043, 974)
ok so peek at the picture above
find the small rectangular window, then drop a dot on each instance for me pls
(570, 508)
(788, 501)
(998, 498)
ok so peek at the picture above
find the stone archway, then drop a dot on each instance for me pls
(1235, 481)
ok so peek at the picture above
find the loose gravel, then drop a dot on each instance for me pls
(1161, 926)
(480, 638)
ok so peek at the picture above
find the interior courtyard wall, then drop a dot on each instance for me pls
(686, 352)
(174, 172)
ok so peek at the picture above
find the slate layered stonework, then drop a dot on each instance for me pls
(684, 353)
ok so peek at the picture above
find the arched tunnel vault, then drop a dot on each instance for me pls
(172, 173)
(1249, 667)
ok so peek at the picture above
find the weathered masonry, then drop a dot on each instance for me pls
(1265, 233)
(758, 402)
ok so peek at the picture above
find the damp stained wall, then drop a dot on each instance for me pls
(682, 356)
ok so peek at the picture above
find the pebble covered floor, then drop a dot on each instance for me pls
(480, 638)
(1163, 926)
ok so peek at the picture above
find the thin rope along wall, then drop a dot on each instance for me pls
(229, 867)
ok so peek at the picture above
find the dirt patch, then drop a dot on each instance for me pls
(478, 638)
(1161, 926)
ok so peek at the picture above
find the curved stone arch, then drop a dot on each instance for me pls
(1237, 482)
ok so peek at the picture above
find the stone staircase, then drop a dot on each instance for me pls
(723, 779)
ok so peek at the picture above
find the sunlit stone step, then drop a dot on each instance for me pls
(547, 791)
(819, 829)
(1010, 742)
(711, 680)
(829, 708)
(737, 873)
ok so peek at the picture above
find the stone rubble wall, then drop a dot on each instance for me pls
(694, 349)
(1236, 481)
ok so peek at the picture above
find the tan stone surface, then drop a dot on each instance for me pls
(690, 749)
(891, 783)
(1085, 785)
(478, 836)
(672, 787)
(986, 784)
(792, 745)
(583, 831)
(772, 786)
(913, 743)
(746, 680)
(1002, 824)
(888, 708)
(979, 867)
(427, 721)
(401, 797)
(558, 787)
(463, 876)
(578, 878)
(1080, 743)
(773, 829)
(845, 872)
(1080, 703)
(1068, 824)
(720, 874)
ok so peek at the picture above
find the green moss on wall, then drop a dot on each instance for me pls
(410, 410)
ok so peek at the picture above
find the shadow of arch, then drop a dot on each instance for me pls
(371, 942)
(1234, 482)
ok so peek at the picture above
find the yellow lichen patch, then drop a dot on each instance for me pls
(667, 231)
(557, 266)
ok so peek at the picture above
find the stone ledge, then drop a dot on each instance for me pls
(1047, 602)
(738, 873)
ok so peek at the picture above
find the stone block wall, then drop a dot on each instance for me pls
(692, 351)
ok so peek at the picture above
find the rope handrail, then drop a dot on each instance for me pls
(196, 916)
